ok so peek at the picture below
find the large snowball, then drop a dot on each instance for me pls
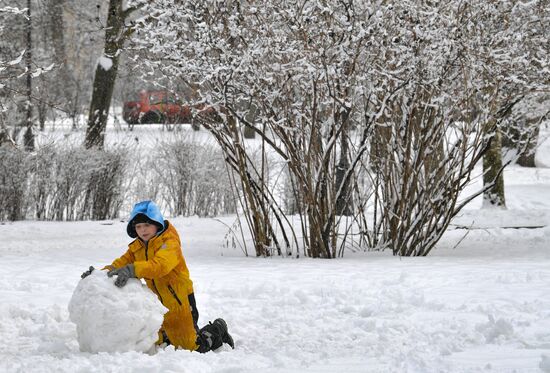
(112, 319)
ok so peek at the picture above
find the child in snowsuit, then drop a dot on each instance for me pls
(155, 255)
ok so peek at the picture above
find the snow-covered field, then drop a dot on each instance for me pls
(483, 306)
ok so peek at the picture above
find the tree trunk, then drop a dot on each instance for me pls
(57, 29)
(249, 133)
(42, 111)
(492, 173)
(527, 156)
(105, 76)
(379, 146)
(65, 74)
(250, 117)
(28, 138)
(343, 201)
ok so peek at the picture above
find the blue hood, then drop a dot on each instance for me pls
(149, 209)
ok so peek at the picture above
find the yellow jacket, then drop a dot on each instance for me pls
(160, 262)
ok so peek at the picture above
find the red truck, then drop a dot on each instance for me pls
(156, 107)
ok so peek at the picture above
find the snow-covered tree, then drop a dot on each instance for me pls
(9, 58)
(118, 29)
(424, 85)
(54, 67)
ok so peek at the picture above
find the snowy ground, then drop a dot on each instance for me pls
(483, 306)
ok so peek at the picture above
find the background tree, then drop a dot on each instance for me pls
(116, 33)
(516, 79)
(5, 12)
(59, 31)
(29, 136)
(520, 131)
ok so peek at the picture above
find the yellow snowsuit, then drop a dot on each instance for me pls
(160, 262)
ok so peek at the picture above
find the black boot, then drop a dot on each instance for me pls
(213, 336)
(222, 327)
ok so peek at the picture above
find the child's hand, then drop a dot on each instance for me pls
(87, 273)
(123, 274)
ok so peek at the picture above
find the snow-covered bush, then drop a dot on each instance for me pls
(77, 183)
(43, 183)
(13, 183)
(112, 319)
(69, 176)
(189, 178)
(105, 191)
(73, 183)
(420, 81)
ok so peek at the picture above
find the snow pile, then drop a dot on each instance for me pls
(112, 319)
(496, 330)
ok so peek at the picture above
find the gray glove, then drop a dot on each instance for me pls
(123, 274)
(87, 273)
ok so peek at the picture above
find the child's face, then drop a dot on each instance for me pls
(146, 231)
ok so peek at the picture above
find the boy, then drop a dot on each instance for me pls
(155, 255)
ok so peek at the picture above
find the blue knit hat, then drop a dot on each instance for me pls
(145, 212)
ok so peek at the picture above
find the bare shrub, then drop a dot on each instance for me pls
(70, 176)
(427, 163)
(42, 181)
(191, 179)
(104, 193)
(402, 74)
(13, 183)
(74, 183)
(249, 171)
(77, 184)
